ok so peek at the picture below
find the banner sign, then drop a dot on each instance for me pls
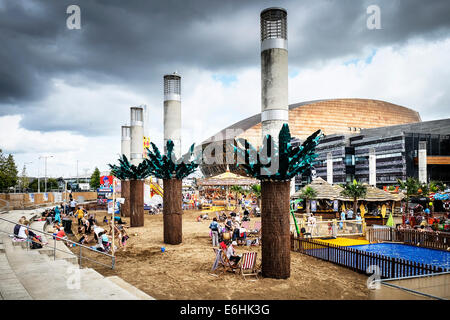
(31, 197)
(110, 207)
(45, 197)
(57, 196)
(335, 205)
(313, 206)
(146, 142)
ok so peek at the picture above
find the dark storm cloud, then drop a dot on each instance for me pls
(133, 43)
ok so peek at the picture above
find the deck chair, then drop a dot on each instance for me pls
(218, 261)
(248, 265)
(256, 231)
(222, 261)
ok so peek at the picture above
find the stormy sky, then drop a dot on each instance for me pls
(66, 92)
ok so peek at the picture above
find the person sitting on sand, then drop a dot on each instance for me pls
(231, 253)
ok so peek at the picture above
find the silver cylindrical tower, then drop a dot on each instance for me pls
(274, 71)
(126, 141)
(137, 135)
(172, 111)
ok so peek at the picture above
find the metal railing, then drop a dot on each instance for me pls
(331, 228)
(66, 241)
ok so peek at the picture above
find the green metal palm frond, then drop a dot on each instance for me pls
(166, 166)
(277, 161)
(127, 171)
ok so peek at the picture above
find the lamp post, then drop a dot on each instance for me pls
(45, 157)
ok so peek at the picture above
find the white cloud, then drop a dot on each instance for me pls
(416, 76)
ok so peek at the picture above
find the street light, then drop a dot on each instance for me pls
(45, 157)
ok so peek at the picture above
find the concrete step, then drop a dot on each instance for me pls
(44, 278)
(104, 289)
(2, 248)
(10, 287)
(128, 287)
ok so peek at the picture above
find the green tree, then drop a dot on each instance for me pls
(308, 193)
(52, 184)
(256, 188)
(237, 190)
(34, 185)
(8, 172)
(355, 191)
(410, 187)
(95, 179)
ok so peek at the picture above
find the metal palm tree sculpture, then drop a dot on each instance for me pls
(163, 167)
(285, 163)
(172, 172)
(128, 171)
(275, 165)
(135, 175)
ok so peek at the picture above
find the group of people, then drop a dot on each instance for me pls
(350, 215)
(229, 228)
(88, 229)
(90, 232)
(23, 233)
(424, 221)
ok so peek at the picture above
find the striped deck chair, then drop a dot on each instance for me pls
(248, 264)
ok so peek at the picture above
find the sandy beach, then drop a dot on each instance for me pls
(184, 271)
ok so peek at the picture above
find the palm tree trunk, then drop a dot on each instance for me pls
(125, 193)
(276, 246)
(308, 206)
(136, 203)
(355, 206)
(172, 212)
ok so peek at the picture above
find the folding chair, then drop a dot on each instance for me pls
(222, 260)
(248, 264)
(256, 229)
(218, 261)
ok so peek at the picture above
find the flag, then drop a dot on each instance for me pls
(390, 221)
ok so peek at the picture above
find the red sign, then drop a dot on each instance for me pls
(106, 181)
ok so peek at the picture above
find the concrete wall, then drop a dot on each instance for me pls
(20, 200)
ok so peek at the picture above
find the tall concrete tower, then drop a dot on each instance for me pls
(172, 111)
(422, 161)
(330, 168)
(274, 71)
(275, 238)
(125, 184)
(126, 141)
(137, 134)
(372, 167)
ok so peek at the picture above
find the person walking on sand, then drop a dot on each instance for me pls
(214, 226)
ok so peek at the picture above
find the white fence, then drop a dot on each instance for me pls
(331, 228)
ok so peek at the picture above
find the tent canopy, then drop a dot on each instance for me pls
(333, 192)
(226, 179)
